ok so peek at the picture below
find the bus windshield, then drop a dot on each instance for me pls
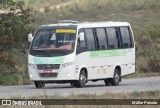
(54, 41)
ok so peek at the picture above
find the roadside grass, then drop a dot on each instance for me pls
(13, 70)
(148, 49)
(155, 94)
(123, 95)
(13, 78)
(142, 74)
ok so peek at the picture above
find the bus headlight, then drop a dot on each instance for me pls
(32, 65)
(66, 65)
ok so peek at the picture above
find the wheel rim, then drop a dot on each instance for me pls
(116, 77)
(83, 78)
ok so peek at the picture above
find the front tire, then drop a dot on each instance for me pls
(39, 84)
(82, 80)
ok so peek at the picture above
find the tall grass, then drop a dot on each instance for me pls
(148, 49)
(138, 12)
(37, 4)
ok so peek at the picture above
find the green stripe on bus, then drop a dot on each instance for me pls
(48, 60)
(107, 53)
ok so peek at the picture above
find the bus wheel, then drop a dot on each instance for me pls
(82, 79)
(39, 84)
(116, 78)
(107, 82)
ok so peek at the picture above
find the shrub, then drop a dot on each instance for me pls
(148, 49)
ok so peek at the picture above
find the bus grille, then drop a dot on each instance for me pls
(48, 66)
(48, 74)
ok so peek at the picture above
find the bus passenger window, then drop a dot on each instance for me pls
(112, 38)
(102, 38)
(126, 38)
(90, 39)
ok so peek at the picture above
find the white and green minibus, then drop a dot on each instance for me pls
(75, 53)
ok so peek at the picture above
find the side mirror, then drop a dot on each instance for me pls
(30, 37)
(81, 35)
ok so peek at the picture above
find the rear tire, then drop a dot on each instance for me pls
(39, 84)
(116, 78)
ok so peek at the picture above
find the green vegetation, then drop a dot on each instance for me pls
(142, 14)
(13, 79)
(124, 95)
(37, 4)
(14, 25)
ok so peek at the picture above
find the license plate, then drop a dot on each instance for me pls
(47, 71)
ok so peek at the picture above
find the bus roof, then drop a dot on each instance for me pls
(86, 24)
(103, 24)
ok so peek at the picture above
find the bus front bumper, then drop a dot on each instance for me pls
(67, 73)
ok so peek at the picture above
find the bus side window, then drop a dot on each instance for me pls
(101, 38)
(126, 37)
(81, 44)
(90, 39)
(112, 38)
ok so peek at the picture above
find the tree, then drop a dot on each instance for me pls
(14, 27)
(14, 23)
